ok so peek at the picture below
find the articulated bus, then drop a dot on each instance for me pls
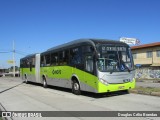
(93, 65)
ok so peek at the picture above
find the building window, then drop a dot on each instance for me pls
(134, 55)
(149, 54)
(158, 53)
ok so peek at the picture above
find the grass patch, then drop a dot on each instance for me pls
(146, 91)
(1, 118)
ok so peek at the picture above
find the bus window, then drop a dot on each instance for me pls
(33, 62)
(42, 61)
(24, 63)
(27, 63)
(47, 60)
(64, 57)
(76, 56)
(21, 64)
(54, 59)
(30, 65)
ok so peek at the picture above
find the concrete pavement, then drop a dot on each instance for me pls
(18, 96)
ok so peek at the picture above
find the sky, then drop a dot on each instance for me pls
(37, 25)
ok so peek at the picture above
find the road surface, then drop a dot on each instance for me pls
(18, 96)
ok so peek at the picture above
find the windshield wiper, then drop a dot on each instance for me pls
(128, 69)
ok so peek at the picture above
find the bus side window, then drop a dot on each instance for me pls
(54, 59)
(33, 62)
(30, 64)
(76, 56)
(47, 60)
(42, 61)
(64, 57)
(21, 64)
(26, 63)
(61, 58)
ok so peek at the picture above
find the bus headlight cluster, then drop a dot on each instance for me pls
(103, 81)
(132, 80)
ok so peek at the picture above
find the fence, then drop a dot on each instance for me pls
(148, 73)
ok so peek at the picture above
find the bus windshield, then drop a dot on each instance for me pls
(115, 59)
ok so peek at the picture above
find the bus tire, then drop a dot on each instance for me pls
(26, 79)
(44, 83)
(76, 87)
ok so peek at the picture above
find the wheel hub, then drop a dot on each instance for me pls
(76, 86)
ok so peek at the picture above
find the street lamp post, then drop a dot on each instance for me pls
(13, 59)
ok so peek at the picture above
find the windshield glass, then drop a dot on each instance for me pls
(115, 59)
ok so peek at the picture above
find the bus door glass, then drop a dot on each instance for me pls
(89, 68)
(89, 63)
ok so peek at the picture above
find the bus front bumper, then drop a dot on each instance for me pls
(102, 88)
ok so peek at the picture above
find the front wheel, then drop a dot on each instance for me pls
(76, 88)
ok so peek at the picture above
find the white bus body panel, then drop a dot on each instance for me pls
(37, 68)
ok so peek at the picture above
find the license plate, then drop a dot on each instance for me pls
(121, 87)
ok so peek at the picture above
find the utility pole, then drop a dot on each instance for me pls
(13, 59)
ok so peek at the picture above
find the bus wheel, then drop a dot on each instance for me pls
(44, 83)
(26, 80)
(76, 87)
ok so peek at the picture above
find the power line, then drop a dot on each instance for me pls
(5, 52)
(16, 51)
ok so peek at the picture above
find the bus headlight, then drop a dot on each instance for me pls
(103, 81)
(132, 80)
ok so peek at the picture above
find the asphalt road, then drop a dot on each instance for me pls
(18, 96)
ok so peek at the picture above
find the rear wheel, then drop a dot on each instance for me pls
(26, 79)
(44, 83)
(76, 87)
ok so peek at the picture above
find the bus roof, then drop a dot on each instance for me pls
(28, 56)
(89, 41)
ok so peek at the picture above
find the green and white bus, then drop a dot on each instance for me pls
(93, 65)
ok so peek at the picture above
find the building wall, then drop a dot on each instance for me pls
(142, 56)
(150, 67)
(155, 58)
(148, 73)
